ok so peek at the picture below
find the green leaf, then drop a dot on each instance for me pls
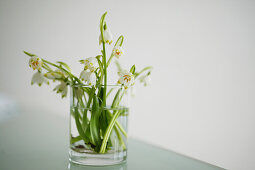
(132, 69)
(94, 124)
(116, 98)
(84, 118)
(29, 54)
(75, 139)
(87, 132)
(81, 61)
(103, 123)
(78, 125)
(105, 27)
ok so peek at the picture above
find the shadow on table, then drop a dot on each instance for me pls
(72, 166)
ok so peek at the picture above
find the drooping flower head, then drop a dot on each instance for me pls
(126, 79)
(92, 79)
(118, 51)
(84, 76)
(88, 77)
(61, 88)
(35, 62)
(39, 79)
(90, 64)
(107, 37)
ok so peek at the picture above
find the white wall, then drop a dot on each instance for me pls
(202, 99)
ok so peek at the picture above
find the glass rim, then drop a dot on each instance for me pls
(101, 85)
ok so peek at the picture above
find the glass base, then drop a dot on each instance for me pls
(93, 159)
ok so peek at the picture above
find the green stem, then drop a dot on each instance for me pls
(46, 67)
(121, 129)
(61, 68)
(101, 70)
(104, 57)
(109, 92)
(108, 132)
(109, 60)
(115, 103)
(105, 76)
(118, 42)
(120, 138)
(118, 124)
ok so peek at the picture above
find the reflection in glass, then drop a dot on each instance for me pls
(73, 166)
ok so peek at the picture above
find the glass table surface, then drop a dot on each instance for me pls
(34, 139)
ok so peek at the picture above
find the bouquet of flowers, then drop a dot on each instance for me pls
(95, 117)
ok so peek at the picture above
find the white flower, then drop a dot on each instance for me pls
(107, 37)
(88, 77)
(126, 79)
(54, 74)
(39, 79)
(85, 75)
(92, 79)
(118, 51)
(145, 80)
(61, 88)
(35, 62)
(90, 63)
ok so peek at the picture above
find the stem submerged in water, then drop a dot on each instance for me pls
(108, 131)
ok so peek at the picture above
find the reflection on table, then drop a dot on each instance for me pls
(36, 139)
